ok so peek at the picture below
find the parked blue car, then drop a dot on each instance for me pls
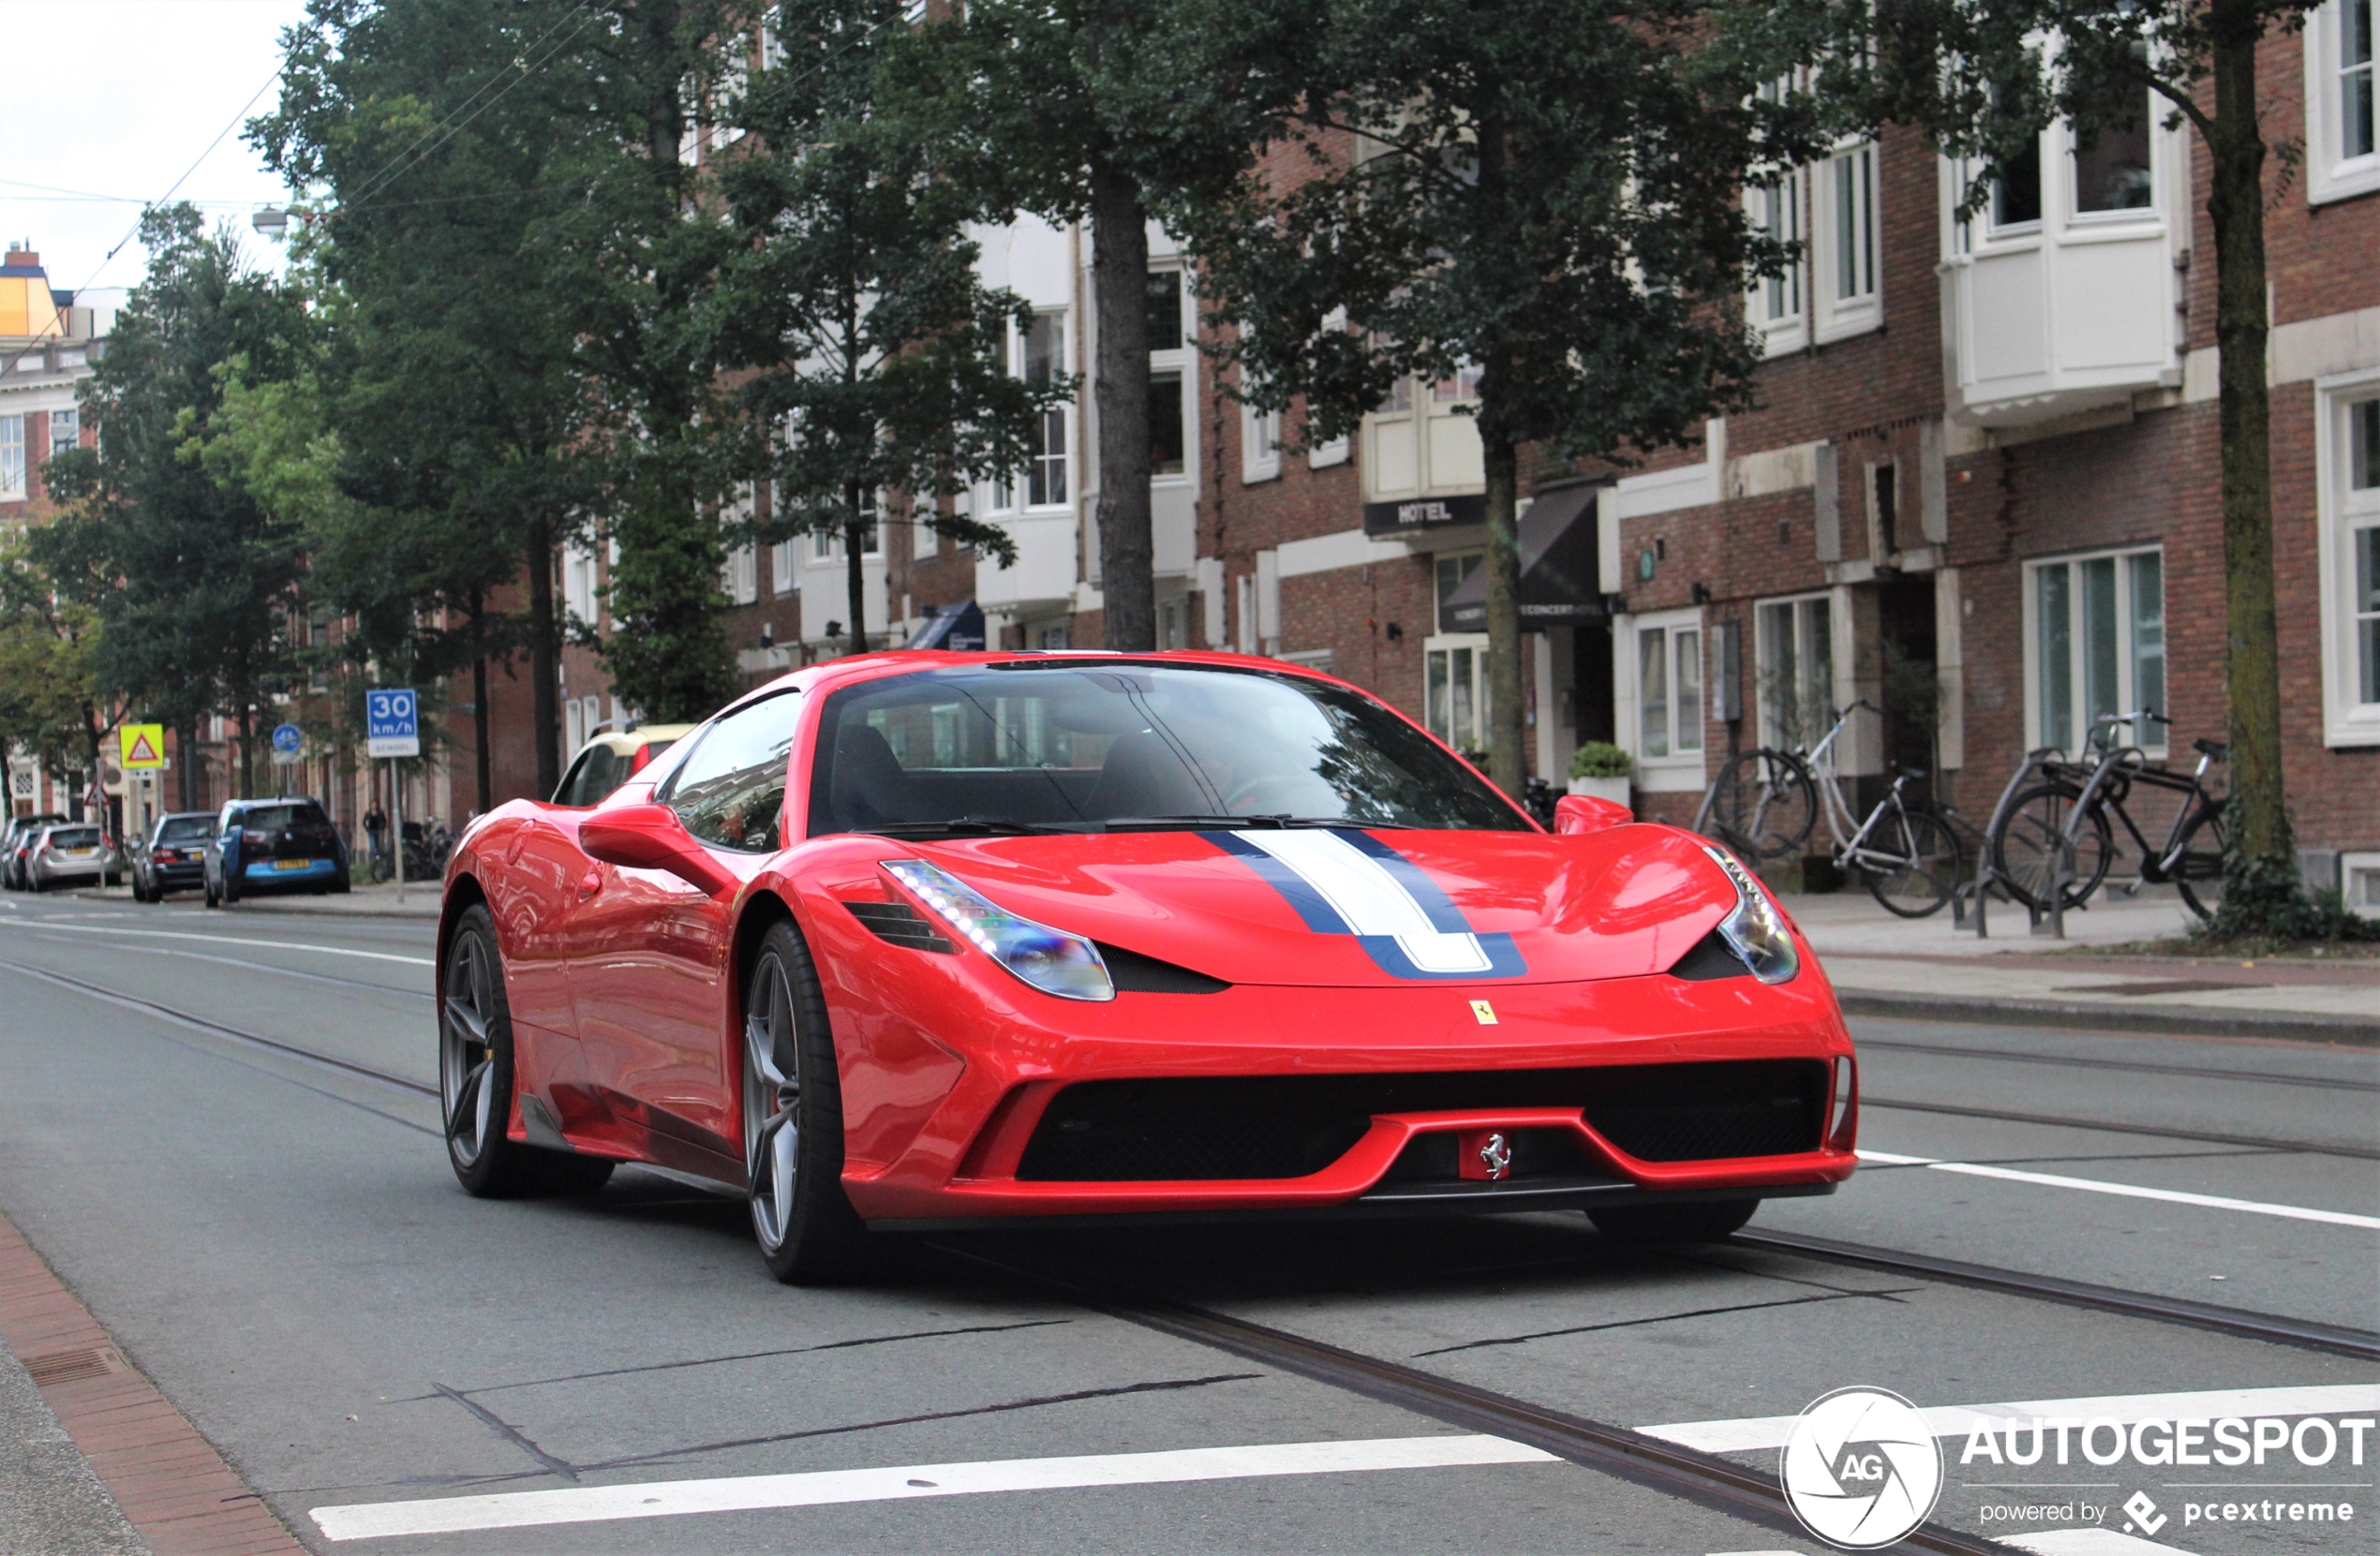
(284, 844)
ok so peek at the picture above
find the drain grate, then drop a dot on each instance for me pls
(71, 1366)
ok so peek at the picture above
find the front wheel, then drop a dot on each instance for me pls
(1763, 804)
(1705, 1221)
(1914, 863)
(793, 1121)
(2028, 842)
(475, 1079)
(2197, 872)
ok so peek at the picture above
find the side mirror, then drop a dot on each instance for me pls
(651, 837)
(1575, 813)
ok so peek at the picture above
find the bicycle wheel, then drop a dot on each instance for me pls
(1763, 804)
(2197, 872)
(1924, 867)
(2025, 846)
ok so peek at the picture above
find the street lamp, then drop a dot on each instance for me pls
(271, 220)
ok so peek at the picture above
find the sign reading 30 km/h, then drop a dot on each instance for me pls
(393, 722)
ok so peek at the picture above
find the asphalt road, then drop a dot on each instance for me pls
(278, 1244)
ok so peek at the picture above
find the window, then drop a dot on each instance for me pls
(1044, 343)
(1669, 691)
(12, 458)
(1166, 313)
(780, 569)
(2343, 132)
(729, 791)
(1455, 690)
(2095, 642)
(1454, 569)
(1852, 188)
(823, 545)
(1794, 649)
(2348, 446)
(2111, 168)
(65, 431)
(2016, 194)
(742, 578)
(579, 596)
(1259, 444)
(1776, 300)
(1165, 442)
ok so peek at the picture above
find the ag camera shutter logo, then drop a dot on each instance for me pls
(1862, 1468)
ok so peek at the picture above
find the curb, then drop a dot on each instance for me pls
(2337, 1031)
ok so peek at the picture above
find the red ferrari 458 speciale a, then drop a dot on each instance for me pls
(913, 941)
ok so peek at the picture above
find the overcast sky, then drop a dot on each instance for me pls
(117, 99)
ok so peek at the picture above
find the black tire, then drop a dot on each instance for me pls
(2026, 842)
(1703, 1220)
(1930, 872)
(475, 1078)
(340, 883)
(791, 1100)
(1763, 804)
(213, 898)
(2198, 871)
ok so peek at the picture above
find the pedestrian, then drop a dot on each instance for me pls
(374, 826)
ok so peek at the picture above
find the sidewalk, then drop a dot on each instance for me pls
(1929, 969)
(421, 900)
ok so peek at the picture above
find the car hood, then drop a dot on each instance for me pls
(1351, 908)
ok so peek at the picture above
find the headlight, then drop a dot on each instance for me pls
(1051, 960)
(1756, 930)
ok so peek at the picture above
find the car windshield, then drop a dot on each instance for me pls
(1130, 747)
(280, 818)
(186, 829)
(74, 836)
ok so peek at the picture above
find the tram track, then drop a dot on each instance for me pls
(2160, 1132)
(2242, 1323)
(2142, 1067)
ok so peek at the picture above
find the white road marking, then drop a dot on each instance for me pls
(1770, 1431)
(2088, 1541)
(1373, 901)
(2130, 1191)
(231, 939)
(661, 1499)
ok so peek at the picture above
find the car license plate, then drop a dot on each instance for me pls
(292, 863)
(82, 852)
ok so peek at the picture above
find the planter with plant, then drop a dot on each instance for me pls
(1600, 768)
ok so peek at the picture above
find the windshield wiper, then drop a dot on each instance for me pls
(1274, 822)
(970, 827)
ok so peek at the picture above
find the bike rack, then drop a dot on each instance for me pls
(1987, 860)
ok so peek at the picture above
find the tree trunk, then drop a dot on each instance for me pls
(855, 572)
(2262, 867)
(1120, 277)
(479, 735)
(1508, 729)
(544, 658)
(186, 754)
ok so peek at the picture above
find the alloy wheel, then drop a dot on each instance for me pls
(772, 1092)
(466, 1057)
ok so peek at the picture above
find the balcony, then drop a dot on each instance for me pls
(1043, 575)
(2062, 297)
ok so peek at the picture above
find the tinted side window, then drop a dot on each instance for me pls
(730, 790)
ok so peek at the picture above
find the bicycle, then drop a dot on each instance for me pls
(1765, 803)
(2058, 829)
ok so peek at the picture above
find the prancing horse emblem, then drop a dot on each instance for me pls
(1495, 1155)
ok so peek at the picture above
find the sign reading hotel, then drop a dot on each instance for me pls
(1419, 516)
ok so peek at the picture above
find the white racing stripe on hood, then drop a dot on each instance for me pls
(1373, 901)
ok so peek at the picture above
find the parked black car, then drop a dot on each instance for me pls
(285, 844)
(172, 857)
(16, 843)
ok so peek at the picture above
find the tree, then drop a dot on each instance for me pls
(1544, 194)
(192, 579)
(51, 702)
(1080, 109)
(879, 361)
(1984, 77)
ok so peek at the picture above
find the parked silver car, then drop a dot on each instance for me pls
(64, 855)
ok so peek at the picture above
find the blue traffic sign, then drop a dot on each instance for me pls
(393, 722)
(287, 739)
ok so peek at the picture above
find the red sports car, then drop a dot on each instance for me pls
(922, 939)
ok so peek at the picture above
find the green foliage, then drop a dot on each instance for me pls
(1601, 759)
(50, 702)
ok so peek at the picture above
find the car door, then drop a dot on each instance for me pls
(653, 992)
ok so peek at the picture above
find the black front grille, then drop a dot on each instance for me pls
(899, 924)
(1290, 1126)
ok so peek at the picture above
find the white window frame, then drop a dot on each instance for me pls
(1766, 655)
(2152, 740)
(71, 420)
(2347, 720)
(783, 579)
(1675, 769)
(1064, 459)
(2360, 881)
(1181, 359)
(580, 595)
(1259, 444)
(1779, 305)
(743, 574)
(2330, 174)
(12, 459)
(1448, 644)
(1835, 313)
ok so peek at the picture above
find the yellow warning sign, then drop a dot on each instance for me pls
(144, 746)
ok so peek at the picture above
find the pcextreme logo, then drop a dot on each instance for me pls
(1861, 1468)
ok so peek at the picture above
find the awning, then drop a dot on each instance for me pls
(1559, 574)
(958, 628)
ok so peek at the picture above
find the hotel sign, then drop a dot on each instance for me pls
(1419, 515)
